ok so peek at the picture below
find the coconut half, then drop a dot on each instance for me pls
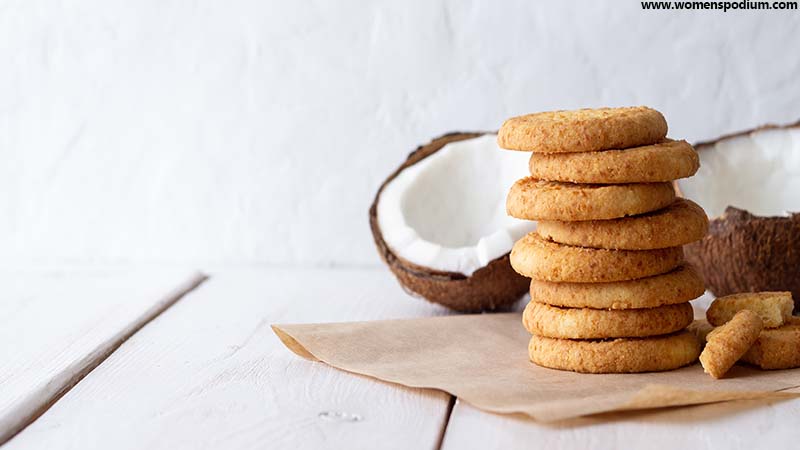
(749, 183)
(440, 224)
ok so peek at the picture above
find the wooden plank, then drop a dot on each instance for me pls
(55, 326)
(209, 373)
(733, 425)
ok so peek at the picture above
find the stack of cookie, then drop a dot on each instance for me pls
(609, 289)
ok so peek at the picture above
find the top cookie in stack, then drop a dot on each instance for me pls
(609, 289)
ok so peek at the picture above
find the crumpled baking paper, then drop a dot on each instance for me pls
(483, 360)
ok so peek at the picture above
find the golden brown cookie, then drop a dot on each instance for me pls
(666, 161)
(777, 348)
(680, 223)
(774, 308)
(583, 130)
(587, 323)
(676, 286)
(623, 355)
(726, 344)
(534, 199)
(539, 259)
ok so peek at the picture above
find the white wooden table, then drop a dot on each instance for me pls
(108, 359)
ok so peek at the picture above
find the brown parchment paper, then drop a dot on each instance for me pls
(483, 360)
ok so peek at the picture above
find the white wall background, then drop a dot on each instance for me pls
(258, 131)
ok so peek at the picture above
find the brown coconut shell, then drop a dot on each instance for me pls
(743, 252)
(491, 287)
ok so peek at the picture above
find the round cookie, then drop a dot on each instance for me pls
(539, 259)
(623, 355)
(680, 223)
(777, 348)
(583, 130)
(726, 344)
(680, 285)
(533, 199)
(587, 323)
(665, 161)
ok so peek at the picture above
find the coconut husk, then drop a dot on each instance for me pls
(494, 286)
(747, 253)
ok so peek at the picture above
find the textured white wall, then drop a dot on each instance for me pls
(258, 131)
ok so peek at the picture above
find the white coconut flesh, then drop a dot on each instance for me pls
(447, 212)
(758, 172)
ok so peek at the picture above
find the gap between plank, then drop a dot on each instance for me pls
(450, 405)
(98, 358)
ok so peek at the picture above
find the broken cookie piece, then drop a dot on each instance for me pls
(774, 308)
(726, 344)
(777, 348)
